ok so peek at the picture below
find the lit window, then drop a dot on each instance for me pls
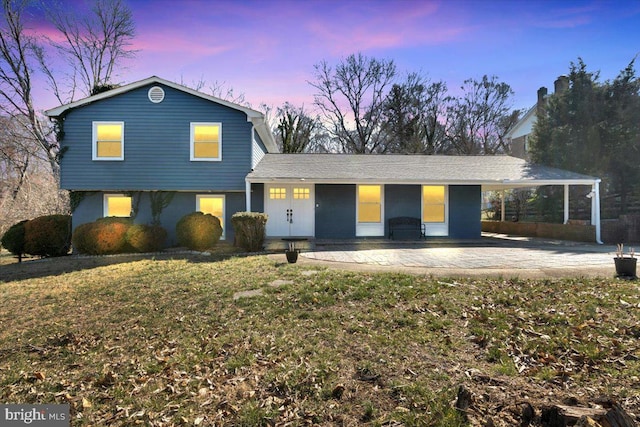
(277, 193)
(213, 205)
(301, 193)
(117, 205)
(206, 141)
(369, 203)
(433, 203)
(108, 140)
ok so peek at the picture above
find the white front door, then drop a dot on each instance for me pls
(291, 210)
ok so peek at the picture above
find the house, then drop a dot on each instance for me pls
(519, 135)
(123, 148)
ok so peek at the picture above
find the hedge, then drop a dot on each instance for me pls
(102, 237)
(13, 239)
(198, 231)
(249, 230)
(48, 235)
(146, 238)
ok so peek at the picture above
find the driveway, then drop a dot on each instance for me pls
(493, 255)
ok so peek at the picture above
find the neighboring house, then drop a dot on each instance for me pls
(519, 135)
(121, 146)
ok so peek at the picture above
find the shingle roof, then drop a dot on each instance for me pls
(492, 172)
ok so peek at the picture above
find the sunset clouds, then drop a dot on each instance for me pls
(266, 49)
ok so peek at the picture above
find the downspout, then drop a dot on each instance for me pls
(566, 204)
(247, 190)
(595, 209)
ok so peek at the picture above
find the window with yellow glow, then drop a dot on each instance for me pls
(369, 203)
(277, 193)
(213, 205)
(108, 141)
(117, 205)
(301, 193)
(433, 203)
(206, 141)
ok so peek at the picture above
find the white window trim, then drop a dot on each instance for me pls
(370, 229)
(94, 137)
(191, 142)
(436, 228)
(224, 209)
(105, 204)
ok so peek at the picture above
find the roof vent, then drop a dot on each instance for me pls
(156, 94)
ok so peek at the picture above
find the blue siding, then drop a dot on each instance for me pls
(401, 200)
(156, 154)
(464, 211)
(91, 208)
(335, 211)
(257, 197)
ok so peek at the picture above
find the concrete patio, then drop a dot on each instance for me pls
(493, 255)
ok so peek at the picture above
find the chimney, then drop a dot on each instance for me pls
(542, 94)
(561, 84)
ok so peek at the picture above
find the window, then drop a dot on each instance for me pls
(212, 204)
(117, 205)
(206, 141)
(277, 193)
(108, 141)
(433, 203)
(369, 203)
(301, 193)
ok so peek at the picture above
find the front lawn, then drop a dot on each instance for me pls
(162, 341)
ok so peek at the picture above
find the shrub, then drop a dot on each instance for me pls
(48, 235)
(198, 231)
(249, 229)
(146, 238)
(102, 237)
(13, 239)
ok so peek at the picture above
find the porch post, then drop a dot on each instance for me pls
(566, 203)
(595, 209)
(502, 214)
(247, 190)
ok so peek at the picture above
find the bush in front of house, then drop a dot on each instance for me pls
(146, 238)
(48, 235)
(198, 231)
(249, 228)
(13, 239)
(102, 237)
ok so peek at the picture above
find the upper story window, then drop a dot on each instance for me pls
(108, 141)
(206, 142)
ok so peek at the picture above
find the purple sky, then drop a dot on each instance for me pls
(266, 49)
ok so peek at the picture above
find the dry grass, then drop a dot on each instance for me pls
(167, 341)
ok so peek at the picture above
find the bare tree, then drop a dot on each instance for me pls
(414, 115)
(218, 89)
(18, 51)
(350, 99)
(94, 46)
(479, 119)
(295, 130)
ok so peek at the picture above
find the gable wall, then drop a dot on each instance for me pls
(156, 155)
